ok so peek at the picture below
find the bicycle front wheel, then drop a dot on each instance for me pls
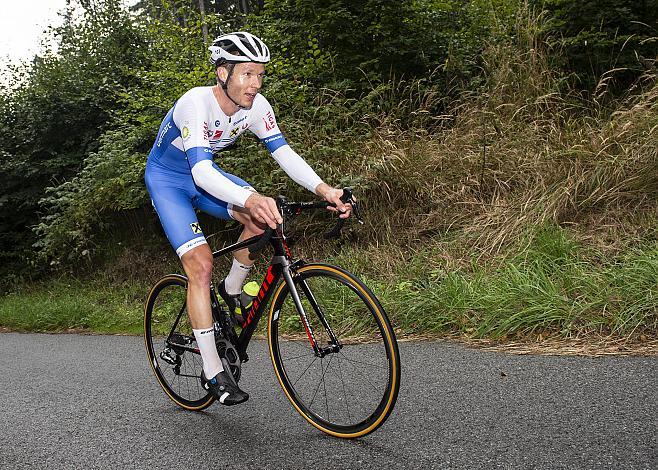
(350, 388)
(171, 345)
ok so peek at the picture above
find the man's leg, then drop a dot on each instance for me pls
(174, 200)
(197, 264)
(242, 261)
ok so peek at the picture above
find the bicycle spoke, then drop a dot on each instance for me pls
(362, 362)
(307, 367)
(364, 377)
(326, 401)
(320, 382)
(187, 382)
(347, 402)
(347, 390)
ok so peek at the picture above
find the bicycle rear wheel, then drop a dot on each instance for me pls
(171, 346)
(352, 390)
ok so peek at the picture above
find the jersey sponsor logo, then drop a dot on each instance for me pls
(185, 133)
(273, 138)
(239, 120)
(274, 142)
(206, 132)
(234, 132)
(196, 228)
(218, 123)
(163, 133)
(217, 135)
(269, 121)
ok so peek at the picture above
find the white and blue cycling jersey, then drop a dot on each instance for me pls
(181, 175)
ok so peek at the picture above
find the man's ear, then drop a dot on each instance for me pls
(221, 73)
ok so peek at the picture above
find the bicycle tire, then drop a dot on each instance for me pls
(164, 304)
(358, 320)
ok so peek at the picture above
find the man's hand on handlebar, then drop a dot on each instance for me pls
(333, 196)
(263, 209)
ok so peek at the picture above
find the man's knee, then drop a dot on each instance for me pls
(198, 265)
(251, 228)
(250, 225)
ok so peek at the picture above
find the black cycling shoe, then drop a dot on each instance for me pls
(224, 388)
(232, 301)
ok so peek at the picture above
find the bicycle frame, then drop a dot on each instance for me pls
(280, 266)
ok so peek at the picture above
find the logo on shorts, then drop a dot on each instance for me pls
(196, 228)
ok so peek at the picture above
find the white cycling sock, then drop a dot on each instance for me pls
(236, 277)
(212, 364)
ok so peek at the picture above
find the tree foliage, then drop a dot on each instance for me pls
(359, 44)
(603, 39)
(77, 124)
(53, 119)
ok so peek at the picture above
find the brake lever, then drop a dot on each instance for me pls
(348, 198)
(355, 210)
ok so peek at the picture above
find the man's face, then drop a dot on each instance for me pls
(246, 81)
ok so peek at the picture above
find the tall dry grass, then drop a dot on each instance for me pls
(519, 153)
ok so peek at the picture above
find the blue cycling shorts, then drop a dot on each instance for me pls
(176, 198)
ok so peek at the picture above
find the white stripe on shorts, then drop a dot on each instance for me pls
(187, 246)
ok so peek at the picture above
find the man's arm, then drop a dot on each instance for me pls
(191, 116)
(209, 179)
(295, 167)
(266, 129)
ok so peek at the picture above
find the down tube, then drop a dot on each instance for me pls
(270, 280)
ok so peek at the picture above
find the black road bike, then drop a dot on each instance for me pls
(332, 346)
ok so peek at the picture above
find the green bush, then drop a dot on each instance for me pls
(607, 45)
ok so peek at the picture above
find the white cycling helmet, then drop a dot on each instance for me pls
(238, 47)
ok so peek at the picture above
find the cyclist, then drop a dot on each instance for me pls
(181, 177)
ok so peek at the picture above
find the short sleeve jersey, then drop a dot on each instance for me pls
(196, 127)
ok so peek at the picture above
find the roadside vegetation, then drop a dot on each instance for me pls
(509, 192)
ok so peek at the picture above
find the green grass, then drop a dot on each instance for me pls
(63, 304)
(553, 286)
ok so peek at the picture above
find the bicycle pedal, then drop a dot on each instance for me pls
(167, 357)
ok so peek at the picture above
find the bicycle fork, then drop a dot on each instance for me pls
(334, 345)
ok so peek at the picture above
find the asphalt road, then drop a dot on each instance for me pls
(75, 401)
